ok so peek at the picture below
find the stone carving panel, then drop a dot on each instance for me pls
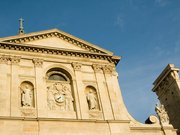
(27, 94)
(60, 97)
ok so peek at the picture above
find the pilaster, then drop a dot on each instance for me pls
(4, 85)
(40, 89)
(103, 92)
(80, 89)
(15, 92)
(111, 82)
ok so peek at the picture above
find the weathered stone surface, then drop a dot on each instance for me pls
(54, 83)
(167, 88)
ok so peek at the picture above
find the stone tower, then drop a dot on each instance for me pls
(167, 88)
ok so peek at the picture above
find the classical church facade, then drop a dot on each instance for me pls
(54, 83)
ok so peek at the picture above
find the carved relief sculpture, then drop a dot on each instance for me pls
(50, 98)
(68, 99)
(60, 97)
(162, 114)
(27, 96)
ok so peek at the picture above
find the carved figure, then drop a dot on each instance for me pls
(92, 100)
(60, 97)
(50, 99)
(68, 99)
(27, 96)
(162, 114)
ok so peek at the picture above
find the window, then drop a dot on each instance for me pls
(57, 77)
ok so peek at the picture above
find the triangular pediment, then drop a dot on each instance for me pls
(56, 39)
(55, 43)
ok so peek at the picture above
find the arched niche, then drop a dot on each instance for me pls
(27, 94)
(92, 98)
(59, 90)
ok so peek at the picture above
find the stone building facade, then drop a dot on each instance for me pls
(54, 83)
(167, 88)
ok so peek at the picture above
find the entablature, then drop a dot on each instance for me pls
(56, 51)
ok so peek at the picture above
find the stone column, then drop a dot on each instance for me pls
(4, 85)
(15, 91)
(103, 92)
(80, 89)
(40, 89)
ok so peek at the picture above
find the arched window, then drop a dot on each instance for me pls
(57, 76)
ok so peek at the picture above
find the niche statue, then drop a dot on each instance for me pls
(92, 100)
(26, 95)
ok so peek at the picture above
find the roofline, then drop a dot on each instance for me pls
(55, 30)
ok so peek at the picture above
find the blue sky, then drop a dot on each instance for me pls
(146, 33)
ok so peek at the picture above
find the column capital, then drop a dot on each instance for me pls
(77, 66)
(4, 59)
(15, 59)
(109, 69)
(97, 67)
(38, 62)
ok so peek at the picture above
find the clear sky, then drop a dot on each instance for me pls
(146, 33)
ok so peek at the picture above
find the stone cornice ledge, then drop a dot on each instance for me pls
(146, 127)
(64, 120)
(169, 68)
(151, 127)
(58, 51)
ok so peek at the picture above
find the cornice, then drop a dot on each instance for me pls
(57, 51)
(167, 75)
(55, 33)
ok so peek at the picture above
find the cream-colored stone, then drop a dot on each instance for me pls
(5, 89)
(72, 89)
(55, 42)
